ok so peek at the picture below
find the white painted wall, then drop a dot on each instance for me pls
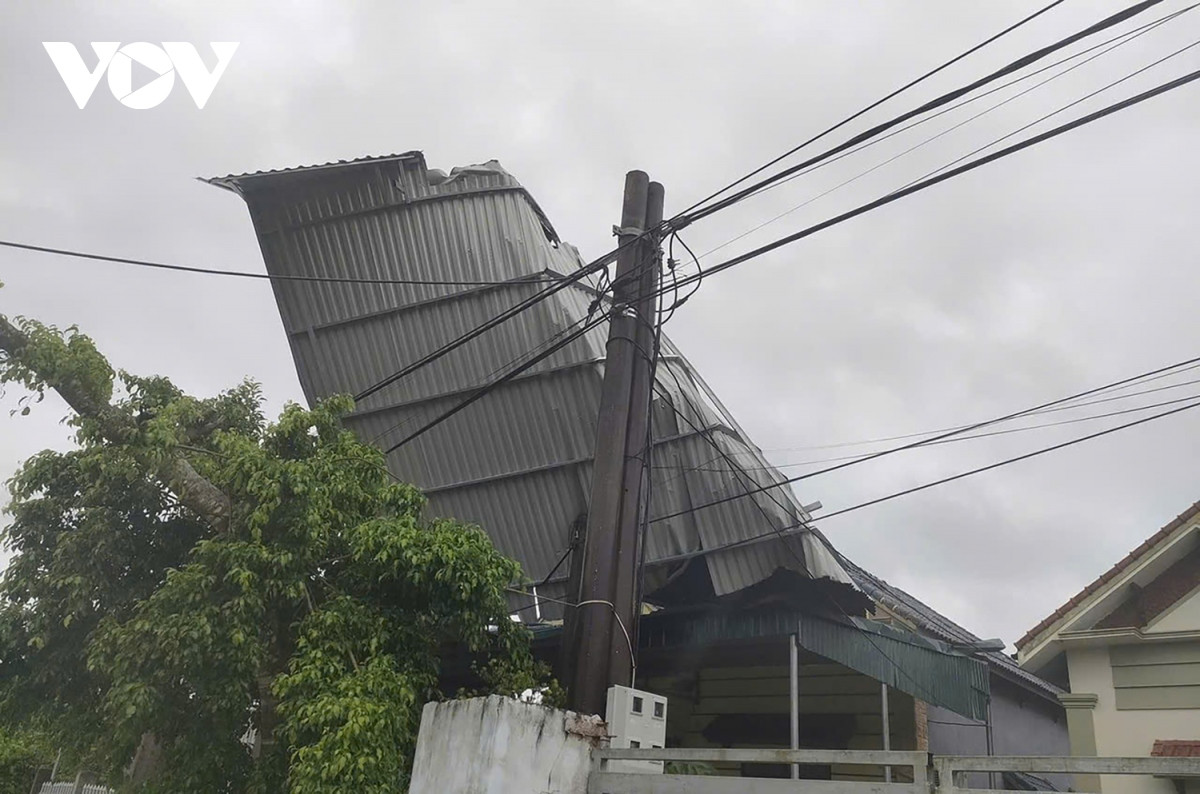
(498, 745)
(1126, 733)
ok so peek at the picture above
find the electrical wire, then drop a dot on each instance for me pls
(1069, 407)
(1127, 35)
(534, 278)
(1072, 407)
(780, 532)
(965, 474)
(874, 105)
(595, 601)
(944, 99)
(1035, 122)
(485, 390)
(675, 223)
(924, 442)
(1120, 40)
(935, 180)
(961, 475)
(483, 380)
(1089, 418)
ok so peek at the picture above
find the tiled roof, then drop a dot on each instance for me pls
(929, 620)
(1111, 573)
(1176, 748)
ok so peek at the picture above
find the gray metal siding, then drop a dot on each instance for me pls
(518, 461)
(1022, 724)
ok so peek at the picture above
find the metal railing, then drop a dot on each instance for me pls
(602, 781)
(950, 770)
(930, 774)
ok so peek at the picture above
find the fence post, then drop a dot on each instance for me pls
(921, 763)
(943, 776)
(40, 778)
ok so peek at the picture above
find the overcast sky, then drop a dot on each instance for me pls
(1062, 268)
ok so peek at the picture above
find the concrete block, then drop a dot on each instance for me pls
(498, 745)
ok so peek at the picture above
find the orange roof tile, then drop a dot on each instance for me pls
(1104, 578)
(1176, 748)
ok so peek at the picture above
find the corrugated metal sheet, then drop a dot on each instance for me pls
(927, 619)
(903, 661)
(519, 461)
(926, 669)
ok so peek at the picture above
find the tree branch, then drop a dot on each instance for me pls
(193, 491)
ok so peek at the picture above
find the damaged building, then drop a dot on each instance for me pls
(730, 589)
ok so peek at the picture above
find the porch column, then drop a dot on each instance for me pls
(887, 729)
(1082, 730)
(794, 675)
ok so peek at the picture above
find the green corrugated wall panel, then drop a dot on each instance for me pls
(903, 661)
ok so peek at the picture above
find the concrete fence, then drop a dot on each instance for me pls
(929, 774)
(602, 781)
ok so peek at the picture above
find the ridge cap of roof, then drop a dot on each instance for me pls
(229, 181)
(1110, 574)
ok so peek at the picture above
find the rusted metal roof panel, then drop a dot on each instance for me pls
(517, 462)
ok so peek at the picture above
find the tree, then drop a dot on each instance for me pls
(263, 600)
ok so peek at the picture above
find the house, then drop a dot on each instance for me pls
(1024, 713)
(738, 592)
(1127, 648)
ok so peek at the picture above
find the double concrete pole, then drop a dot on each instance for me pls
(603, 624)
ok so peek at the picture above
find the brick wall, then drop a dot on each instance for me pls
(1144, 604)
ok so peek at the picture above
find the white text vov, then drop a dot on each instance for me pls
(118, 61)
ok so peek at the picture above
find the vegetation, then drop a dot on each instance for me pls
(259, 601)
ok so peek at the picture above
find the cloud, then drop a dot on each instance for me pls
(1058, 269)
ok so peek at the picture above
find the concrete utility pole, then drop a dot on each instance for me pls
(605, 618)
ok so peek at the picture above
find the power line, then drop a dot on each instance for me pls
(599, 263)
(1120, 40)
(780, 532)
(1070, 407)
(1006, 462)
(875, 104)
(933, 104)
(485, 390)
(935, 180)
(1126, 35)
(963, 475)
(483, 380)
(486, 326)
(952, 433)
(956, 439)
(534, 278)
(1059, 110)
(678, 221)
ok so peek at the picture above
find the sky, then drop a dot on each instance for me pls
(1058, 269)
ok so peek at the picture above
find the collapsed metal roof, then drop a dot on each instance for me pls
(928, 620)
(519, 461)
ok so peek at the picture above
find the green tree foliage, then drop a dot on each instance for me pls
(22, 754)
(286, 643)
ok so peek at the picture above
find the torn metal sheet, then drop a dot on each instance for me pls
(517, 462)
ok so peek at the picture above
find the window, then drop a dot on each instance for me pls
(637, 705)
(660, 709)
